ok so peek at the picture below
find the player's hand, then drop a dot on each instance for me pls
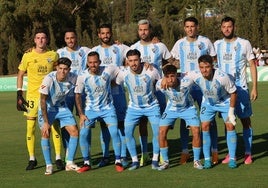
(164, 83)
(45, 130)
(82, 120)
(21, 102)
(148, 66)
(254, 95)
(231, 117)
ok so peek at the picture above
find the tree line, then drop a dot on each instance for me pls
(19, 18)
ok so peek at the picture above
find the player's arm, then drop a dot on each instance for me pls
(171, 61)
(82, 116)
(46, 127)
(254, 75)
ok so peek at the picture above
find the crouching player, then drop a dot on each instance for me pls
(54, 89)
(179, 105)
(219, 95)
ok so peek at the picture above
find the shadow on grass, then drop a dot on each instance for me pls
(260, 143)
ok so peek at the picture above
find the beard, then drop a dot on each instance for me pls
(230, 36)
(106, 40)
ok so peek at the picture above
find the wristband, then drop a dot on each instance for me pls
(231, 110)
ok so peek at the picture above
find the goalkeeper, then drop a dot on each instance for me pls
(37, 63)
(219, 95)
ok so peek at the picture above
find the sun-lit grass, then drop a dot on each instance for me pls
(14, 158)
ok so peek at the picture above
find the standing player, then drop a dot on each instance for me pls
(234, 53)
(219, 95)
(113, 54)
(78, 55)
(54, 89)
(180, 105)
(140, 83)
(187, 50)
(96, 83)
(152, 53)
(37, 63)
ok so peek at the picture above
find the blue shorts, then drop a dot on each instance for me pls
(243, 105)
(133, 115)
(189, 115)
(208, 112)
(108, 116)
(63, 115)
(120, 104)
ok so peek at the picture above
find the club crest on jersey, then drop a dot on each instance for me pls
(80, 54)
(200, 46)
(49, 60)
(153, 50)
(114, 51)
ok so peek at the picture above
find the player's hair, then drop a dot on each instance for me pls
(169, 69)
(64, 61)
(205, 58)
(145, 21)
(191, 19)
(93, 53)
(133, 52)
(228, 19)
(42, 30)
(105, 25)
(70, 29)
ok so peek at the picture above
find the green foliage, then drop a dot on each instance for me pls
(12, 56)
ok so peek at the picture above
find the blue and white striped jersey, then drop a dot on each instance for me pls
(141, 87)
(153, 53)
(233, 58)
(179, 98)
(57, 91)
(215, 91)
(78, 58)
(113, 55)
(97, 87)
(189, 52)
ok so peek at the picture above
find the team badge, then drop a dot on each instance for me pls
(49, 60)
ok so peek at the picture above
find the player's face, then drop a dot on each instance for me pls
(40, 40)
(190, 29)
(134, 62)
(227, 29)
(206, 70)
(105, 35)
(62, 72)
(171, 80)
(93, 64)
(70, 40)
(144, 32)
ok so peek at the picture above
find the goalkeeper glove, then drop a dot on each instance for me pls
(21, 102)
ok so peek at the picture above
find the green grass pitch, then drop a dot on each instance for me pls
(14, 158)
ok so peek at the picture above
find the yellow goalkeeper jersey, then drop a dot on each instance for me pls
(37, 66)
